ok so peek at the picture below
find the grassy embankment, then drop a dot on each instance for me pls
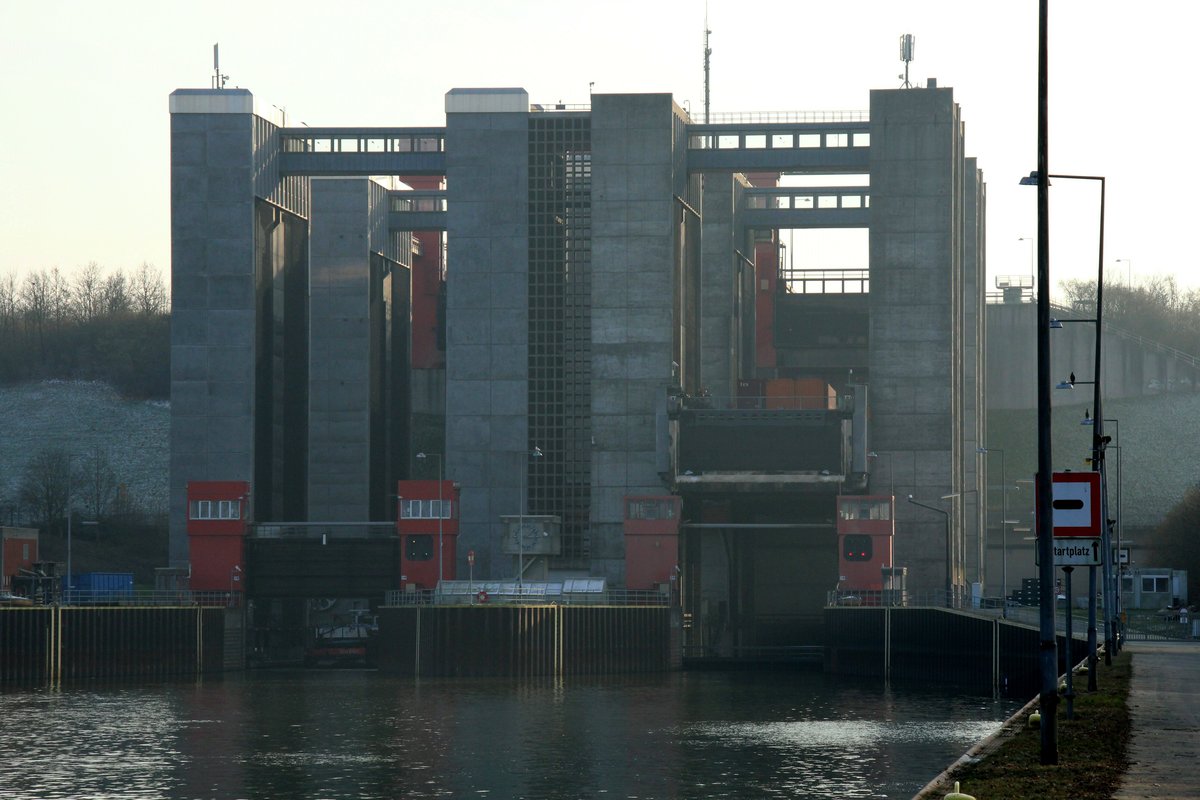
(1091, 749)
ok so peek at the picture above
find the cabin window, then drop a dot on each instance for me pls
(426, 509)
(1156, 584)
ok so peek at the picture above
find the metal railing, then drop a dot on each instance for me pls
(510, 593)
(751, 117)
(782, 402)
(144, 597)
(560, 107)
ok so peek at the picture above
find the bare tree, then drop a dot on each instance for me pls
(115, 294)
(89, 282)
(9, 303)
(97, 484)
(1175, 540)
(35, 306)
(58, 296)
(46, 487)
(147, 292)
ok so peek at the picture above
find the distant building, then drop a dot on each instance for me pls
(616, 321)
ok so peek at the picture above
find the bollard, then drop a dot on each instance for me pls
(957, 795)
(1035, 719)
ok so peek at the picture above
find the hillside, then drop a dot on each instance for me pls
(1158, 451)
(78, 417)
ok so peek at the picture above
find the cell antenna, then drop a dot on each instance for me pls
(908, 44)
(707, 55)
(218, 80)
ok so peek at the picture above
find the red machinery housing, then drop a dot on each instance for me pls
(428, 514)
(18, 551)
(651, 540)
(865, 530)
(216, 527)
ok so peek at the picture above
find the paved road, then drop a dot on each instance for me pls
(1164, 698)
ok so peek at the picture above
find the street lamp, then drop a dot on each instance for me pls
(1098, 429)
(1047, 637)
(1003, 520)
(235, 575)
(1032, 252)
(440, 514)
(1128, 272)
(891, 474)
(535, 453)
(70, 481)
(962, 549)
(949, 567)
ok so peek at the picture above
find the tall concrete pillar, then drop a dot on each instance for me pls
(916, 302)
(640, 309)
(487, 242)
(213, 295)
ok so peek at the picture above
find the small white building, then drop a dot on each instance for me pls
(1153, 587)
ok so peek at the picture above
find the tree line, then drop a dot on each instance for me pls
(86, 487)
(100, 324)
(1156, 309)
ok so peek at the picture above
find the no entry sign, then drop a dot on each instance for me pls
(1076, 504)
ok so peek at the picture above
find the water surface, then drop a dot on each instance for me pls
(359, 734)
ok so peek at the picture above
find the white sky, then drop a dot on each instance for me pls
(84, 141)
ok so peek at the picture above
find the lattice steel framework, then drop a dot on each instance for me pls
(560, 244)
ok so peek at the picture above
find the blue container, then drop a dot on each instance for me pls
(104, 583)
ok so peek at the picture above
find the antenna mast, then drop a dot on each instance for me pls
(907, 46)
(218, 80)
(707, 53)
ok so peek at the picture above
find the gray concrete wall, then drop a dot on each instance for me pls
(916, 355)
(1131, 367)
(720, 268)
(339, 430)
(213, 296)
(974, 376)
(635, 148)
(487, 447)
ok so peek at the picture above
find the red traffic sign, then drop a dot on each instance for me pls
(1076, 504)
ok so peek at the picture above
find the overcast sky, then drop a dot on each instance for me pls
(84, 144)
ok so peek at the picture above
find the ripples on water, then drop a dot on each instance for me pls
(363, 735)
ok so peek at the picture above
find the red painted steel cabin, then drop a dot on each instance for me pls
(18, 551)
(865, 529)
(651, 540)
(216, 525)
(426, 514)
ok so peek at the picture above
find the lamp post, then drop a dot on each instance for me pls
(1032, 252)
(891, 475)
(1114, 593)
(70, 481)
(949, 560)
(1047, 637)
(440, 513)
(235, 575)
(962, 544)
(1003, 521)
(1098, 428)
(1128, 272)
(535, 453)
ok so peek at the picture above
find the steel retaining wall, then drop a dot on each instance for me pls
(527, 640)
(51, 645)
(937, 645)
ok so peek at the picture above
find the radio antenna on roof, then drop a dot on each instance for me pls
(218, 80)
(907, 46)
(707, 54)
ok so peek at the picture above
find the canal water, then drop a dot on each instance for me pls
(360, 734)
